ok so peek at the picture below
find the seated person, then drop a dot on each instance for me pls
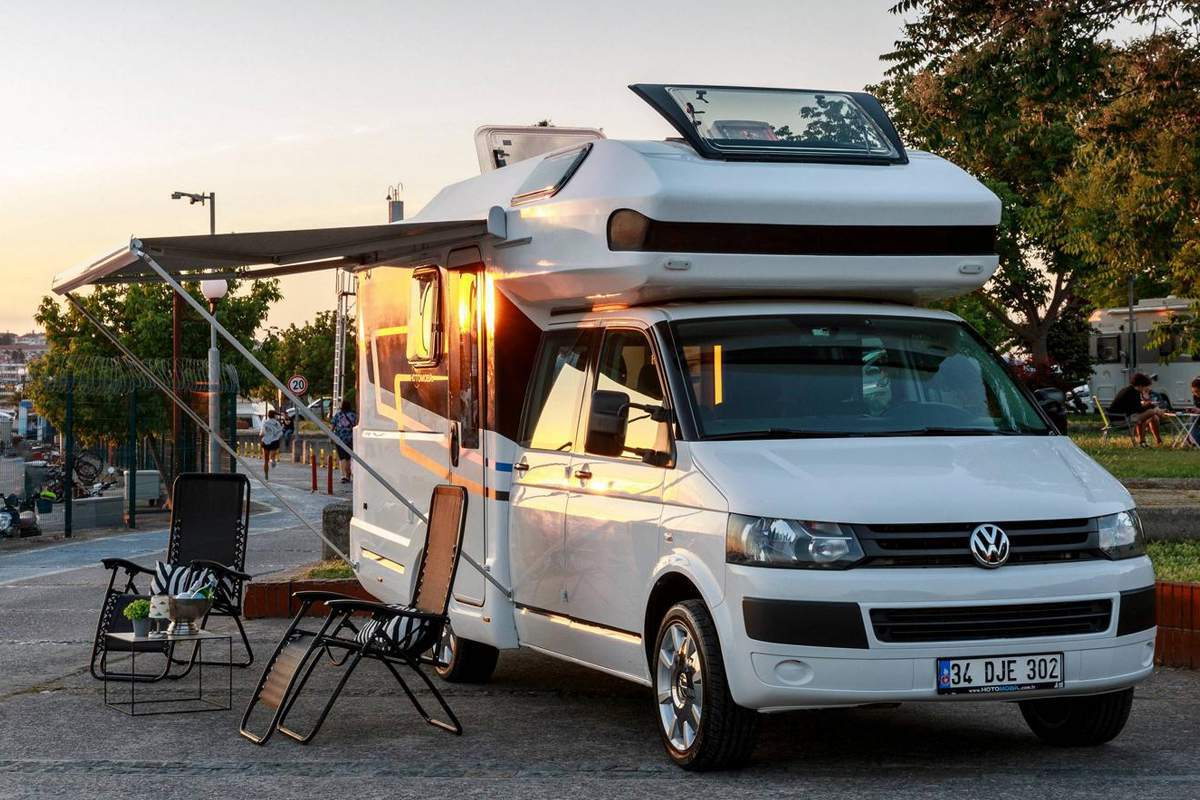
(1134, 402)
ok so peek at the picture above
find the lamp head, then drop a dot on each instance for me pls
(214, 290)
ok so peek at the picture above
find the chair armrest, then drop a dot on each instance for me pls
(350, 606)
(129, 567)
(220, 568)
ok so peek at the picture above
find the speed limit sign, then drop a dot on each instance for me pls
(298, 384)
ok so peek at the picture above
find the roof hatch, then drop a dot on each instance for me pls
(737, 123)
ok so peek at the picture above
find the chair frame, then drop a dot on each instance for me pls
(223, 606)
(410, 652)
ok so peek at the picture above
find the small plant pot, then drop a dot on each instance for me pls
(44, 506)
(141, 627)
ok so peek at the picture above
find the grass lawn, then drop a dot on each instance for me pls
(335, 568)
(1122, 459)
(1175, 561)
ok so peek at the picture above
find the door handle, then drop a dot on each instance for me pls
(454, 445)
(583, 473)
(521, 466)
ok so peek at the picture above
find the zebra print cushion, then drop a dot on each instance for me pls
(178, 579)
(396, 631)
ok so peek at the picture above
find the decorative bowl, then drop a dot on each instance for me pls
(184, 614)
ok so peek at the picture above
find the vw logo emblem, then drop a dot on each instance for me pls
(989, 545)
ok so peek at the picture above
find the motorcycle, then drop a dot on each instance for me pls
(18, 518)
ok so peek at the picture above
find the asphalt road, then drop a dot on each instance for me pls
(542, 728)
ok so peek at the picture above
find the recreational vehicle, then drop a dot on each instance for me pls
(714, 442)
(1172, 369)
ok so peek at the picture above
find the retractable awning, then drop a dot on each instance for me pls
(267, 254)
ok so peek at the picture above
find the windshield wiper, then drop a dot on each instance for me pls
(782, 433)
(934, 431)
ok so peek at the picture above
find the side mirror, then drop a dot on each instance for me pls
(607, 421)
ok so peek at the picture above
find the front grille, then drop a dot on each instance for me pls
(947, 544)
(968, 623)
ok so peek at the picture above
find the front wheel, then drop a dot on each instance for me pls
(463, 661)
(702, 727)
(1078, 721)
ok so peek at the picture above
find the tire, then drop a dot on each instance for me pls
(686, 652)
(1078, 721)
(463, 661)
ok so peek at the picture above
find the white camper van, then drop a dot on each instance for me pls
(714, 444)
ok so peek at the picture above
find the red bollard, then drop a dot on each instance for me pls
(312, 458)
(329, 475)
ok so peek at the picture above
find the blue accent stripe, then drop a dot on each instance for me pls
(503, 466)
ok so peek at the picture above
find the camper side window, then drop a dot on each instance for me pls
(425, 318)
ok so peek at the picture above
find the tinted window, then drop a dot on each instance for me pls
(423, 346)
(557, 389)
(627, 365)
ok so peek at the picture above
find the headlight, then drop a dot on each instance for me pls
(773, 542)
(1121, 535)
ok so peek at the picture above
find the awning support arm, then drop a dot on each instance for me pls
(137, 362)
(300, 406)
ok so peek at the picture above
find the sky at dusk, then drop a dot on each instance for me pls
(300, 114)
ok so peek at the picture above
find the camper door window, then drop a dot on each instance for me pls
(425, 322)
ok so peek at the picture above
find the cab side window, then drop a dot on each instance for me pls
(556, 391)
(628, 365)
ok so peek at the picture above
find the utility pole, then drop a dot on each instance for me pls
(193, 198)
(1133, 356)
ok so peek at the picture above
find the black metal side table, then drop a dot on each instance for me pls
(184, 702)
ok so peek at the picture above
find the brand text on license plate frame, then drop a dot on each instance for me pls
(999, 674)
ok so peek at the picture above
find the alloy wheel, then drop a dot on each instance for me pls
(680, 686)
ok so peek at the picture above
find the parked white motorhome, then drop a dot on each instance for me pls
(712, 441)
(1172, 368)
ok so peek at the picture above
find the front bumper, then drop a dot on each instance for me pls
(774, 676)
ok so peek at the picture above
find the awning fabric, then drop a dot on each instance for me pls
(266, 254)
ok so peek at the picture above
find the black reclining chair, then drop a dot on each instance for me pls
(210, 521)
(393, 635)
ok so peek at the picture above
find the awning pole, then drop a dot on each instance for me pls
(299, 405)
(137, 362)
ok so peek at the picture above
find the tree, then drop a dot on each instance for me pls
(1016, 92)
(140, 316)
(308, 350)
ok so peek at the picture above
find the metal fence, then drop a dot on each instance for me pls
(111, 423)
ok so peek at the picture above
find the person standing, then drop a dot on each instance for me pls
(271, 436)
(1134, 402)
(343, 428)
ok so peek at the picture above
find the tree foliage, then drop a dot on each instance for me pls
(140, 316)
(308, 350)
(1086, 141)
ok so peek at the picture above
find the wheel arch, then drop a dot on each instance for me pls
(671, 586)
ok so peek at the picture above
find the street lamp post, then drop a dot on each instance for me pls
(209, 198)
(214, 290)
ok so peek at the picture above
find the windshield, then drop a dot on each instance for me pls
(805, 375)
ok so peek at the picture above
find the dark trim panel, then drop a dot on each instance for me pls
(805, 622)
(1139, 611)
(631, 231)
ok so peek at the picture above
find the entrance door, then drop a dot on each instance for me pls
(467, 392)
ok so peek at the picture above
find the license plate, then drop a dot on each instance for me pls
(999, 674)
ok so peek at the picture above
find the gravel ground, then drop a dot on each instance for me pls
(542, 728)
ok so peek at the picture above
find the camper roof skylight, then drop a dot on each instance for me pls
(749, 124)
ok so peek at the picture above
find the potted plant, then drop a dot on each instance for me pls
(138, 612)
